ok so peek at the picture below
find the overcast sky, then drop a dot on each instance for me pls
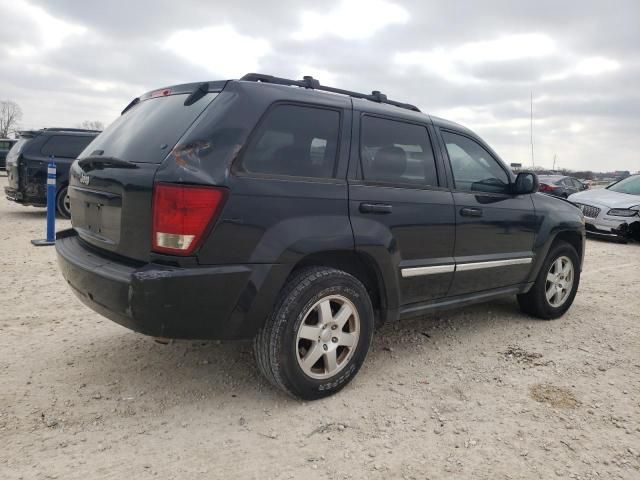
(66, 61)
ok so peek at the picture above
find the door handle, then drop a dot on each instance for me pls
(471, 212)
(375, 208)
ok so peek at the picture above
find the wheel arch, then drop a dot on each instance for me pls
(574, 237)
(361, 266)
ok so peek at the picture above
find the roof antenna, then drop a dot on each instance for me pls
(533, 163)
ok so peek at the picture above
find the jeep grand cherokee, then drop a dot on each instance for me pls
(300, 216)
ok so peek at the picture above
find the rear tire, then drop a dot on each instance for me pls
(318, 335)
(556, 284)
(62, 203)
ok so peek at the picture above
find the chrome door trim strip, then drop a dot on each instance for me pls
(462, 267)
(419, 271)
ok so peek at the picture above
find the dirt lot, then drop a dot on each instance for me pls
(480, 392)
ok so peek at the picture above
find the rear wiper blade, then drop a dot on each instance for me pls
(101, 162)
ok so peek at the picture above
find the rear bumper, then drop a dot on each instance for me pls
(17, 196)
(164, 301)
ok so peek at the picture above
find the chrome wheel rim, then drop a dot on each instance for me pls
(559, 281)
(327, 337)
(67, 203)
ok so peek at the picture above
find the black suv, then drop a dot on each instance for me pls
(27, 164)
(5, 146)
(301, 216)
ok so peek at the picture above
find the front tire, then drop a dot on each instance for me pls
(556, 284)
(62, 203)
(318, 335)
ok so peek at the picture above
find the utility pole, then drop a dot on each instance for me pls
(533, 163)
(554, 161)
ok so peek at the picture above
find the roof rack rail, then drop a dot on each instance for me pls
(314, 84)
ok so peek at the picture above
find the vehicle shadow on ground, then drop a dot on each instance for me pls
(188, 371)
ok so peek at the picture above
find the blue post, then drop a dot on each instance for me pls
(51, 206)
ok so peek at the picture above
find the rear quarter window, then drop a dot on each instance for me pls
(65, 146)
(294, 141)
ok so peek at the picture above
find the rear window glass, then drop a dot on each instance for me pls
(295, 141)
(65, 146)
(149, 130)
(5, 145)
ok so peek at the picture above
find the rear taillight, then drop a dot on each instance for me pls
(546, 188)
(182, 215)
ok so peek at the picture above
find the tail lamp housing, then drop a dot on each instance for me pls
(183, 215)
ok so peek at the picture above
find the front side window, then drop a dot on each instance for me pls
(474, 168)
(296, 141)
(396, 152)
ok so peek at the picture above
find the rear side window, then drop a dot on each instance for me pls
(473, 167)
(5, 145)
(296, 141)
(65, 146)
(396, 152)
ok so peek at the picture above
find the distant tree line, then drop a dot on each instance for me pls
(10, 116)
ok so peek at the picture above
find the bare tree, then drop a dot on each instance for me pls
(10, 115)
(92, 125)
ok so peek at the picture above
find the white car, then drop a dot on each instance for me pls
(613, 211)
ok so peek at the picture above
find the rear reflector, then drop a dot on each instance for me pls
(182, 215)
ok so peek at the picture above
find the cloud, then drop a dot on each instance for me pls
(45, 32)
(472, 62)
(220, 50)
(351, 20)
(453, 64)
(590, 66)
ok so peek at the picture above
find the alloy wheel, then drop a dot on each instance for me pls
(559, 281)
(327, 337)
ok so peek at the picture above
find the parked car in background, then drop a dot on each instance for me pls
(27, 164)
(614, 211)
(269, 209)
(560, 185)
(5, 146)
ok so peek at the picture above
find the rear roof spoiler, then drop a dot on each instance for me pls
(189, 88)
(33, 133)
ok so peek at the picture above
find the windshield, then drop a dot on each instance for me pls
(148, 131)
(630, 185)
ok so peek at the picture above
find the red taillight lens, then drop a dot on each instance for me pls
(546, 188)
(181, 216)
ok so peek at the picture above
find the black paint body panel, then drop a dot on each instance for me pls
(271, 224)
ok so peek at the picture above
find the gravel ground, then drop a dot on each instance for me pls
(479, 392)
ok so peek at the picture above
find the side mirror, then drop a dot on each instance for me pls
(526, 183)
